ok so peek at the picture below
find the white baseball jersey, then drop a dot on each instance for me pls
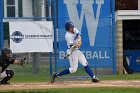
(71, 38)
(77, 55)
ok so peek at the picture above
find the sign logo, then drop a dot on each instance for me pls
(17, 36)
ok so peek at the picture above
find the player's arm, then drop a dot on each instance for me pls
(20, 61)
(78, 38)
(78, 44)
(16, 62)
(79, 41)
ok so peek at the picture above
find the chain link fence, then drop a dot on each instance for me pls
(29, 10)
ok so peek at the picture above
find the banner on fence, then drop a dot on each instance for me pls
(93, 19)
(35, 36)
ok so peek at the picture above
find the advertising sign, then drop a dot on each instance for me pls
(31, 36)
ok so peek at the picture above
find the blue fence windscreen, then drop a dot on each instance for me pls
(93, 19)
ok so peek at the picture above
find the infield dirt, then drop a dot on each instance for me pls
(72, 84)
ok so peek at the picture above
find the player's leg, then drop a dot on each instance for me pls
(57, 74)
(7, 75)
(3, 74)
(73, 67)
(84, 62)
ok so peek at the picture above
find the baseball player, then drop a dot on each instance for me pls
(5, 60)
(73, 38)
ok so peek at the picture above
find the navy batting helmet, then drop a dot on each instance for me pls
(68, 24)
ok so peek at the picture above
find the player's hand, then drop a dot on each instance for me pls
(69, 52)
(22, 62)
(79, 44)
(74, 46)
(79, 41)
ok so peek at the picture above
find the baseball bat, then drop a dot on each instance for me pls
(65, 57)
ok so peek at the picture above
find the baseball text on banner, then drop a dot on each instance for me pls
(32, 36)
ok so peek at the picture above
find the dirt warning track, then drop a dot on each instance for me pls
(72, 84)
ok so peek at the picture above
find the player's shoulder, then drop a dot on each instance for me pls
(67, 35)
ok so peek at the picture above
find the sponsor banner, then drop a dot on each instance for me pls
(93, 19)
(35, 36)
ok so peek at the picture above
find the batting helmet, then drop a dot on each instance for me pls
(5, 50)
(68, 24)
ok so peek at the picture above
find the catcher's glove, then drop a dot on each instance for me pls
(22, 62)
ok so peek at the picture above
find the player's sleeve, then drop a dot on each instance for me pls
(77, 33)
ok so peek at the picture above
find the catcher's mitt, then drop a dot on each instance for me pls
(22, 62)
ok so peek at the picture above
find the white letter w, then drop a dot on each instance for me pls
(88, 13)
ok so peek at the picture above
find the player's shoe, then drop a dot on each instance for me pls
(95, 79)
(4, 83)
(54, 76)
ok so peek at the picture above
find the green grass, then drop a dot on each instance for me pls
(25, 74)
(79, 90)
(134, 76)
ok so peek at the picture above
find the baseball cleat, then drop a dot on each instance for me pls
(95, 80)
(54, 76)
(4, 83)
